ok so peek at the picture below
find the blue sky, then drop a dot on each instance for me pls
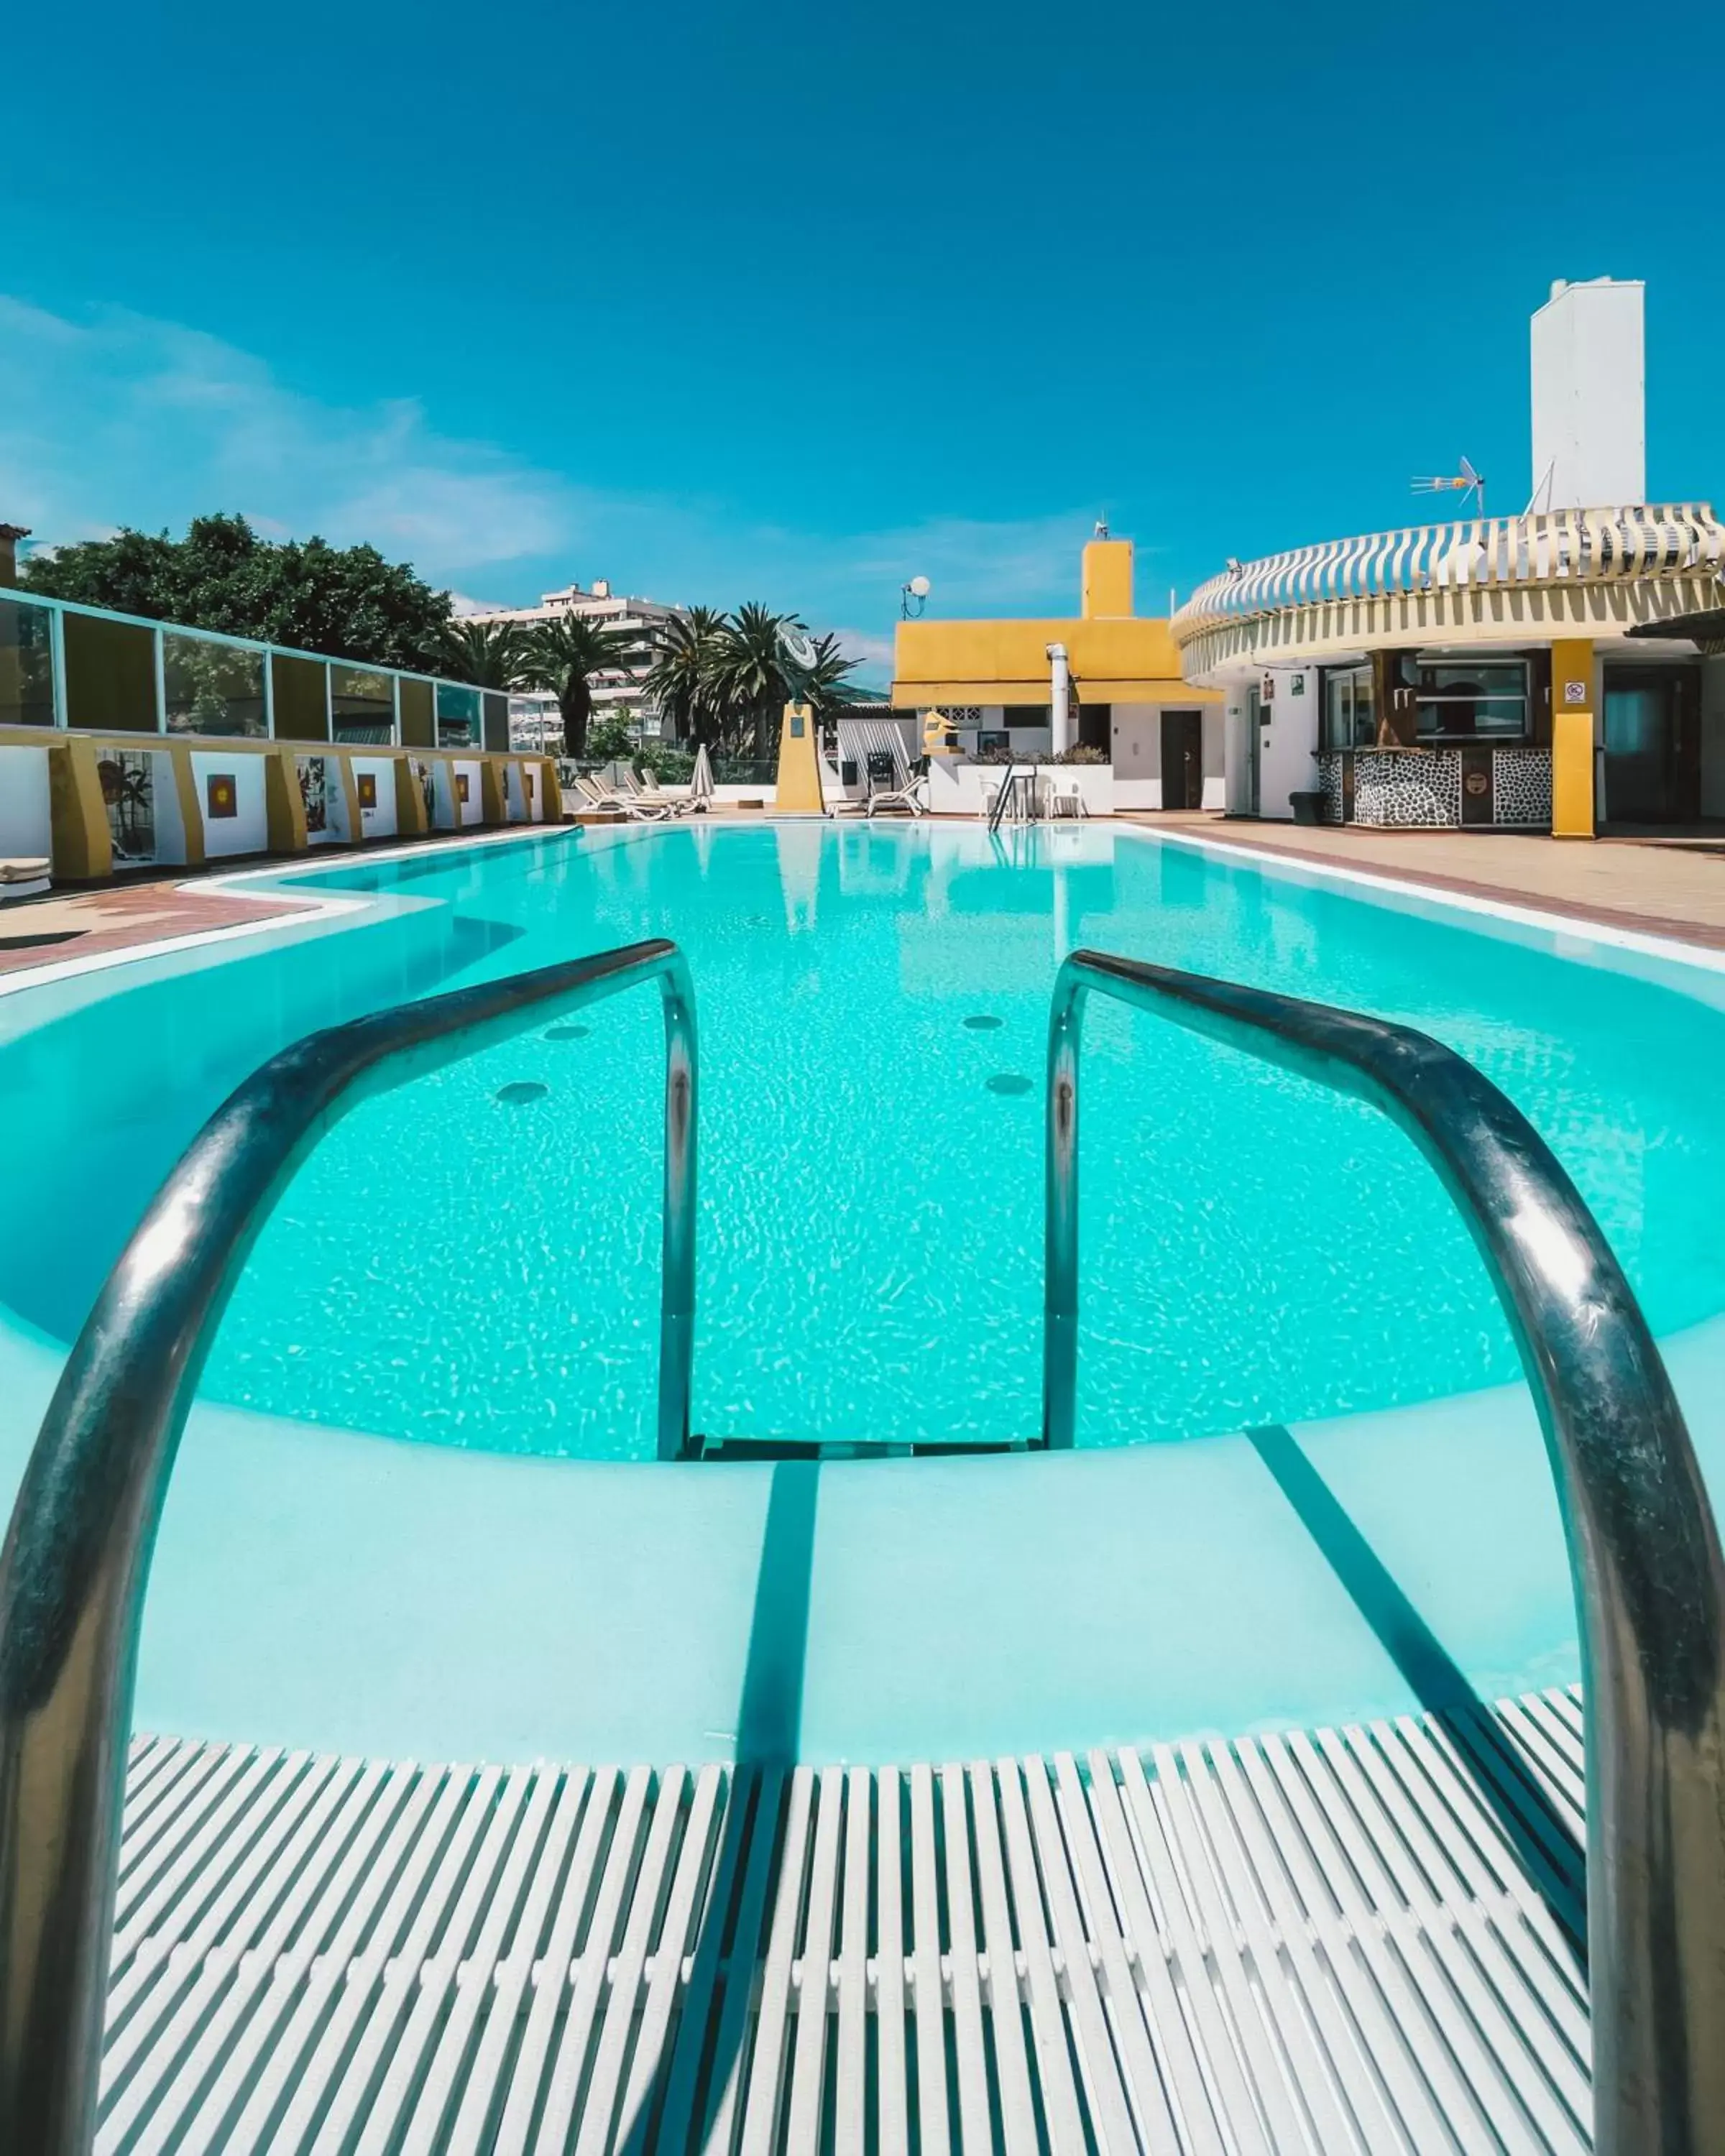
(794, 302)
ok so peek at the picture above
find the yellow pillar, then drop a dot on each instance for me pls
(1107, 585)
(284, 804)
(551, 791)
(493, 808)
(799, 790)
(350, 795)
(179, 765)
(410, 818)
(80, 842)
(1572, 738)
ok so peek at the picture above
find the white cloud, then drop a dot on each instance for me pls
(116, 417)
(872, 653)
(120, 419)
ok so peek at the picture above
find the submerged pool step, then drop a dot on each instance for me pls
(735, 1448)
(1351, 1940)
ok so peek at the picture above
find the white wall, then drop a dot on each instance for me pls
(1237, 750)
(1136, 751)
(1287, 745)
(247, 831)
(1589, 396)
(165, 806)
(378, 822)
(515, 801)
(452, 812)
(335, 807)
(26, 828)
(1215, 765)
(957, 788)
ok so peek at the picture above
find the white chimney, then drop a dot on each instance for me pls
(1589, 396)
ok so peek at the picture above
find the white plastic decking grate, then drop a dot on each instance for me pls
(1354, 1940)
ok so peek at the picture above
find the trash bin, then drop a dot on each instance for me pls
(1308, 808)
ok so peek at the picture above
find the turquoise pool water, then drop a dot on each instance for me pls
(472, 1261)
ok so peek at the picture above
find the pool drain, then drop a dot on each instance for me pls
(523, 1090)
(568, 1032)
(983, 1022)
(1009, 1081)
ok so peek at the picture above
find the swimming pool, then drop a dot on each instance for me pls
(473, 1260)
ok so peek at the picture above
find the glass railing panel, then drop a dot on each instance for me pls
(418, 726)
(210, 686)
(26, 664)
(111, 673)
(361, 704)
(458, 717)
(300, 690)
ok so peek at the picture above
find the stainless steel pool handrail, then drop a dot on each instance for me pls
(76, 1560)
(1643, 1550)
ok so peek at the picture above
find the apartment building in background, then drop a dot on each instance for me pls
(534, 718)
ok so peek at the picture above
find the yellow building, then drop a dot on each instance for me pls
(1107, 680)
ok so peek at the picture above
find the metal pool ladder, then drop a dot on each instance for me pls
(1644, 1550)
(1649, 1581)
(76, 1560)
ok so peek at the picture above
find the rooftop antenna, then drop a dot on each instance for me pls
(912, 597)
(1467, 481)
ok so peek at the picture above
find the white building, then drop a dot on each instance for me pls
(535, 719)
(1563, 669)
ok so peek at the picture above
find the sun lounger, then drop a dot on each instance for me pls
(653, 795)
(898, 798)
(613, 804)
(22, 876)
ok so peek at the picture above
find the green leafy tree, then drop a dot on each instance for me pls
(490, 655)
(612, 738)
(680, 681)
(347, 601)
(824, 684)
(564, 656)
(751, 678)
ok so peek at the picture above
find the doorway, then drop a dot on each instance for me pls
(1652, 747)
(1183, 759)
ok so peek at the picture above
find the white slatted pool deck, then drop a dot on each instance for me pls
(1323, 1944)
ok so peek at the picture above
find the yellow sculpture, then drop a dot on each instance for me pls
(799, 791)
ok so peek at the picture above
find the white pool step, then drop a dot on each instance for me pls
(1321, 1943)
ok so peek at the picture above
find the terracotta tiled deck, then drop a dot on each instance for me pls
(1661, 887)
(43, 931)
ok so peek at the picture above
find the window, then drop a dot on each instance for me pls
(1350, 719)
(1457, 700)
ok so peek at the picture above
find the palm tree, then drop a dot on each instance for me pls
(680, 680)
(564, 655)
(485, 654)
(751, 679)
(823, 684)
